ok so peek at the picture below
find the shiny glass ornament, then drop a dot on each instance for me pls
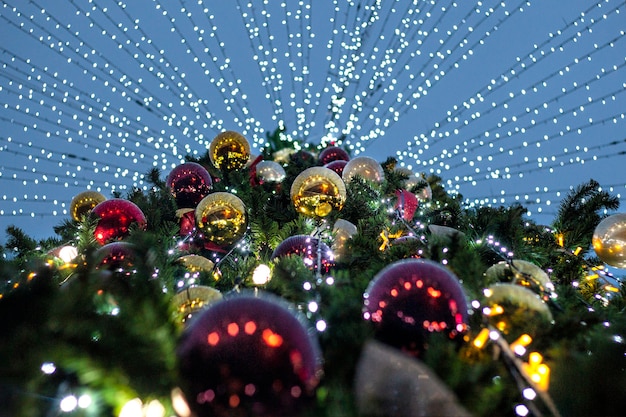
(336, 166)
(520, 272)
(189, 183)
(317, 191)
(364, 167)
(609, 240)
(192, 300)
(411, 298)
(115, 219)
(196, 263)
(333, 153)
(406, 204)
(306, 247)
(229, 151)
(247, 353)
(270, 171)
(342, 231)
(515, 310)
(222, 218)
(116, 256)
(84, 202)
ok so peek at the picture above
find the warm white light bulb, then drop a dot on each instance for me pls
(261, 275)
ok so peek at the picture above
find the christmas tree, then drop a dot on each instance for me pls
(305, 281)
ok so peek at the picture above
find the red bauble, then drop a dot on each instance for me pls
(189, 183)
(248, 355)
(412, 298)
(336, 166)
(333, 153)
(306, 247)
(116, 216)
(407, 204)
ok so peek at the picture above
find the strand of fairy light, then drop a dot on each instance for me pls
(88, 103)
(477, 142)
(539, 53)
(402, 154)
(619, 116)
(123, 93)
(436, 74)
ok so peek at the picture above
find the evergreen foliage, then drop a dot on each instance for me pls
(115, 333)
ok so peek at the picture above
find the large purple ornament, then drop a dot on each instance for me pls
(248, 355)
(412, 298)
(306, 247)
(336, 166)
(189, 183)
(333, 153)
(115, 219)
(116, 256)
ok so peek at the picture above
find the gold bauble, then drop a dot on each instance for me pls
(221, 217)
(197, 263)
(84, 202)
(229, 151)
(609, 240)
(515, 310)
(364, 167)
(522, 273)
(193, 299)
(317, 191)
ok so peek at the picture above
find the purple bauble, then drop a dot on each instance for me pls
(115, 256)
(248, 355)
(412, 298)
(189, 183)
(333, 153)
(336, 166)
(306, 247)
(116, 217)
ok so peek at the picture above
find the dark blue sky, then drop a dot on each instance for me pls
(513, 101)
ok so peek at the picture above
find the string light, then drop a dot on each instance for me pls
(94, 96)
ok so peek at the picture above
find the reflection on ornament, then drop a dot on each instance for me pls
(229, 151)
(364, 167)
(221, 217)
(189, 183)
(317, 191)
(84, 202)
(197, 264)
(521, 273)
(342, 231)
(116, 217)
(191, 300)
(116, 256)
(515, 310)
(248, 353)
(333, 153)
(411, 298)
(307, 248)
(270, 171)
(609, 240)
